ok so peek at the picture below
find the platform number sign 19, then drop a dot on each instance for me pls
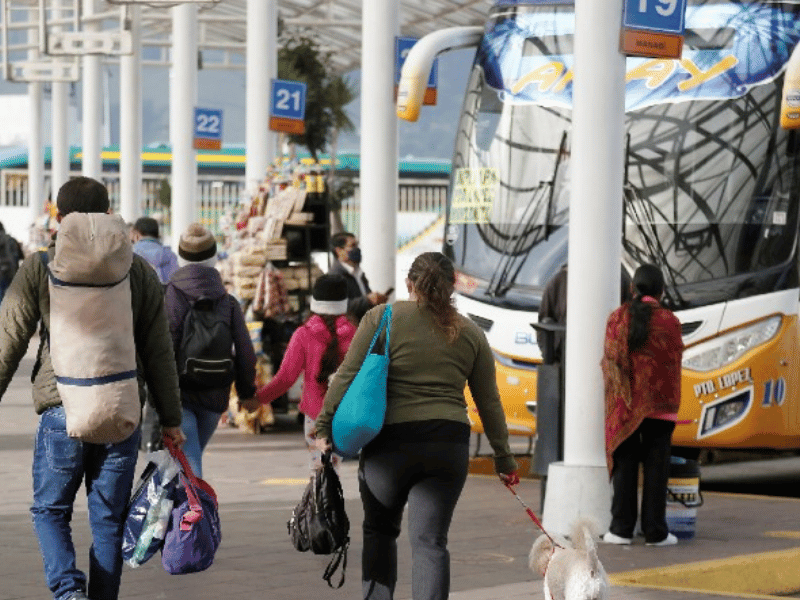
(663, 16)
(207, 129)
(288, 106)
(654, 28)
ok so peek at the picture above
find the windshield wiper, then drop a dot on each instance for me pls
(511, 259)
(499, 282)
(654, 251)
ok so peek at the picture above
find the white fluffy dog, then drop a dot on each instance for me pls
(572, 571)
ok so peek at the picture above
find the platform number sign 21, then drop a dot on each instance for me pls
(288, 106)
(288, 99)
(664, 16)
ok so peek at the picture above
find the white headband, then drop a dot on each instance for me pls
(209, 262)
(329, 307)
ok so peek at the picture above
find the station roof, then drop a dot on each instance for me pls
(334, 24)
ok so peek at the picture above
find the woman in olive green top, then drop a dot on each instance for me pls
(421, 455)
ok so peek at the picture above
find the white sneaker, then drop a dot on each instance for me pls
(610, 538)
(670, 540)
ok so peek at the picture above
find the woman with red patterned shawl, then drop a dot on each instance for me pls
(642, 374)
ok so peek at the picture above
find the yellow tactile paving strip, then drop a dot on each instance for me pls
(769, 575)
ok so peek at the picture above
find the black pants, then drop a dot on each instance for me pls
(430, 477)
(649, 445)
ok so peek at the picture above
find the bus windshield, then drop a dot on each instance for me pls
(711, 180)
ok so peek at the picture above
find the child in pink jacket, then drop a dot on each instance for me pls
(316, 350)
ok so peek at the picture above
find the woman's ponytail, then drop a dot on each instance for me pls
(647, 281)
(330, 358)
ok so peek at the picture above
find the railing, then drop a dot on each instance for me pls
(420, 202)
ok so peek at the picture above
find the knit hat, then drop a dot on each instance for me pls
(197, 244)
(329, 296)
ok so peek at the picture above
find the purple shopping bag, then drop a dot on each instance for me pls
(193, 534)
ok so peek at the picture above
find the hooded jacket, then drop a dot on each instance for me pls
(161, 258)
(187, 284)
(303, 355)
(27, 302)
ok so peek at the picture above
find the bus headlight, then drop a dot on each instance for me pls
(719, 352)
(725, 413)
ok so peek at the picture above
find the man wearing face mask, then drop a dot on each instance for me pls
(347, 260)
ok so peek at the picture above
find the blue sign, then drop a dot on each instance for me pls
(288, 99)
(660, 16)
(208, 123)
(402, 46)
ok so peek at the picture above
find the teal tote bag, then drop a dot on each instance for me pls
(359, 416)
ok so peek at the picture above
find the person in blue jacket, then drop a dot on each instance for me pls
(147, 244)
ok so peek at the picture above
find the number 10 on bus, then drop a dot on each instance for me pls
(288, 106)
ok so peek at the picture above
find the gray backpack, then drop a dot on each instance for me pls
(91, 328)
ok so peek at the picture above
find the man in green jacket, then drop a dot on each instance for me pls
(61, 462)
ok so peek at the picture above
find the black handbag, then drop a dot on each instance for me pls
(319, 522)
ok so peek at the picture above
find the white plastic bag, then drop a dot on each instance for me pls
(149, 509)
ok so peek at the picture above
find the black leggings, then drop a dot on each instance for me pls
(430, 477)
(649, 445)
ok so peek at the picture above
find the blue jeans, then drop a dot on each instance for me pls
(198, 425)
(60, 463)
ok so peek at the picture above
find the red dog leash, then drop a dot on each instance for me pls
(532, 515)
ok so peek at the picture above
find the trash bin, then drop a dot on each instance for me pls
(549, 445)
(683, 497)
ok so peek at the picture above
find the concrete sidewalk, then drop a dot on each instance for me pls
(260, 478)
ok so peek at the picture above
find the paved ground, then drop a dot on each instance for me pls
(259, 478)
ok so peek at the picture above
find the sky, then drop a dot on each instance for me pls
(432, 136)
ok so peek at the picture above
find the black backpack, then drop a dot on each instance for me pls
(205, 354)
(9, 256)
(319, 522)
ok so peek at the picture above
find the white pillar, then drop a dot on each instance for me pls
(35, 152)
(579, 486)
(59, 154)
(183, 98)
(92, 165)
(35, 140)
(130, 127)
(379, 152)
(262, 33)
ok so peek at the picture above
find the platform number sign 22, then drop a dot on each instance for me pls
(665, 16)
(207, 128)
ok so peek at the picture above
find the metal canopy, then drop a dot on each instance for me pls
(334, 24)
(222, 37)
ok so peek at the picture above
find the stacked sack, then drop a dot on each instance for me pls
(246, 265)
(297, 277)
(272, 296)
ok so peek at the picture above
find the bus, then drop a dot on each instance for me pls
(711, 190)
